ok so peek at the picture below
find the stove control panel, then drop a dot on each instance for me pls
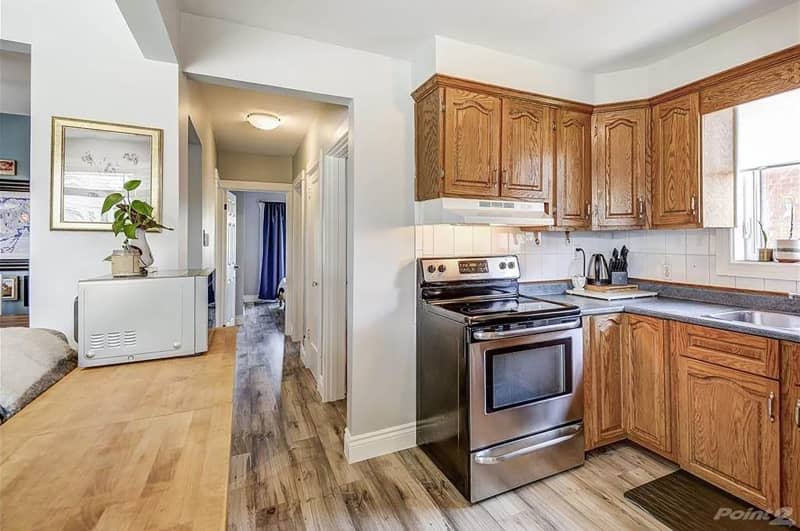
(473, 268)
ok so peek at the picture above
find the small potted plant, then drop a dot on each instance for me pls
(764, 253)
(788, 250)
(133, 218)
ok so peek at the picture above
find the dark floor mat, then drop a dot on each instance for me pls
(685, 503)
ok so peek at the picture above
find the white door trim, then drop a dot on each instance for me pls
(334, 257)
(295, 272)
(223, 187)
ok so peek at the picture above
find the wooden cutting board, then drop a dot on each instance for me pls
(612, 288)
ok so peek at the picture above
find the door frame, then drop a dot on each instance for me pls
(334, 286)
(221, 245)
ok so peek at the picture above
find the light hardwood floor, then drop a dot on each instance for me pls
(288, 470)
(140, 446)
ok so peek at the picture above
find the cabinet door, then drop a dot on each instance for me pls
(619, 151)
(730, 430)
(647, 373)
(573, 169)
(603, 397)
(428, 124)
(790, 428)
(527, 148)
(472, 144)
(676, 158)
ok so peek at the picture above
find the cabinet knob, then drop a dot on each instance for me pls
(90, 354)
(176, 345)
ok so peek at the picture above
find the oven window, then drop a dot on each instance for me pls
(521, 375)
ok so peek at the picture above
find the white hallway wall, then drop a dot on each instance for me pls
(381, 255)
(86, 64)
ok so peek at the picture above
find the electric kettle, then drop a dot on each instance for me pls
(598, 273)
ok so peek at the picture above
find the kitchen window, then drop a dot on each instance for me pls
(767, 174)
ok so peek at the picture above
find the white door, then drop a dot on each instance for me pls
(229, 316)
(313, 273)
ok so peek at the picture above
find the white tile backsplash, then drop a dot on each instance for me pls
(675, 241)
(443, 240)
(697, 242)
(675, 267)
(788, 286)
(670, 255)
(698, 269)
(482, 240)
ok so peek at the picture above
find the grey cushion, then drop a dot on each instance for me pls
(31, 360)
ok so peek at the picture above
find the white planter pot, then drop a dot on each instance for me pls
(787, 250)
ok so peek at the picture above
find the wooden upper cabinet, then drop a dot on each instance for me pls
(603, 381)
(648, 415)
(573, 169)
(528, 137)
(730, 430)
(619, 156)
(472, 144)
(429, 135)
(676, 162)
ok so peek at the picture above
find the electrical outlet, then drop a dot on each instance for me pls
(667, 271)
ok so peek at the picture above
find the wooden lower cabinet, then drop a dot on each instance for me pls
(729, 430)
(790, 428)
(603, 398)
(648, 401)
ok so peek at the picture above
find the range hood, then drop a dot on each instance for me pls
(449, 210)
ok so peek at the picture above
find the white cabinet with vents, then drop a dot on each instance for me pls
(163, 315)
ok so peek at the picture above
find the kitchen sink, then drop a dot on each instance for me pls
(783, 321)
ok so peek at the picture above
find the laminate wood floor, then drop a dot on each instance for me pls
(288, 471)
(126, 447)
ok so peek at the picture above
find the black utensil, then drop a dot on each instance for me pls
(624, 253)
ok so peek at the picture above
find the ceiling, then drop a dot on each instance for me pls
(228, 106)
(590, 35)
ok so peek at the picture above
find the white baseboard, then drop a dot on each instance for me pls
(381, 442)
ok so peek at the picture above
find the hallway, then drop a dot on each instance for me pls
(288, 470)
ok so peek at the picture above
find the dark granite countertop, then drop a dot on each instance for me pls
(686, 311)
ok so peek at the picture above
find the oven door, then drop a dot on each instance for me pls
(524, 385)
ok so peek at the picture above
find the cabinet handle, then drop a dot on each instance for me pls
(494, 176)
(770, 403)
(797, 414)
(693, 204)
(588, 210)
(641, 207)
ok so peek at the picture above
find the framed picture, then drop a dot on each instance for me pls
(8, 167)
(93, 159)
(9, 287)
(15, 224)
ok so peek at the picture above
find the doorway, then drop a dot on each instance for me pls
(300, 129)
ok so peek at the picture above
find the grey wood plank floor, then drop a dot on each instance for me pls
(288, 470)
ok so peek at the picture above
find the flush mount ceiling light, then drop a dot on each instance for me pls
(263, 120)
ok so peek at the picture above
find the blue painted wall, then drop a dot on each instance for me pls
(15, 143)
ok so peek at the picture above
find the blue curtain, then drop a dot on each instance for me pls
(273, 254)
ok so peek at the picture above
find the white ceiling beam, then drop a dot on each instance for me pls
(154, 25)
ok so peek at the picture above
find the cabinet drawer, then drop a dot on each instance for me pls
(753, 354)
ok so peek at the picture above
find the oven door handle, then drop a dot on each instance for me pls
(497, 459)
(482, 335)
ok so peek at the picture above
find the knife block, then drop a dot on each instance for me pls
(619, 278)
